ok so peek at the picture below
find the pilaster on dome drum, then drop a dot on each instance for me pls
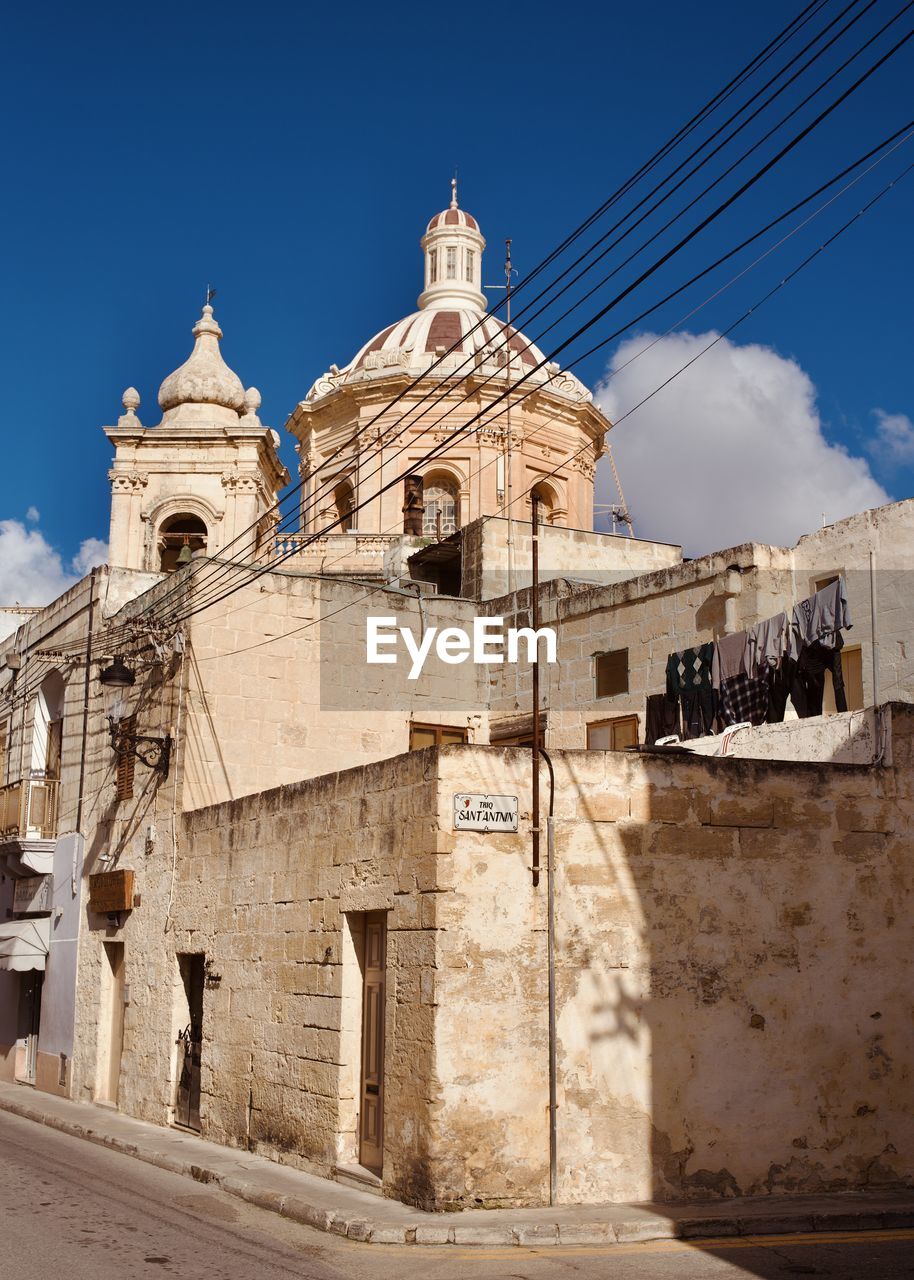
(204, 378)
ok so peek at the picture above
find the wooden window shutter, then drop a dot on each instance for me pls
(126, 762)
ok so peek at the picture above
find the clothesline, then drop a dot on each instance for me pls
(749, 675)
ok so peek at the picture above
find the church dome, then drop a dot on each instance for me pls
(204, 378)
(452, 314)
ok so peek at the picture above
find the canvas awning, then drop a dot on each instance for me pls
(24, 944)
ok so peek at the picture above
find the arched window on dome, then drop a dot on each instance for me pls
(451, 262)
(546, 502)
(442, 507)
(176, 533)
(344, 500)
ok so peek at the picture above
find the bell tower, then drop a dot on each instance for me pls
(206, 474)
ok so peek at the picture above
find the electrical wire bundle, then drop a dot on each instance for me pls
(703, 170)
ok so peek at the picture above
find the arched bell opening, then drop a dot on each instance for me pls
(180, 538)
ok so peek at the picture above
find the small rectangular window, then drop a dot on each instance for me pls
(821, 583)
(471, 266)
(432, 266)
(613, 735)
(451, 261)
(435, 735)
(611, 673)
(126, 761)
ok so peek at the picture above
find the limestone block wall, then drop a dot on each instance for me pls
(669, 609)
(733, 981)
(564, 552)
(269, 888)
(278, 688)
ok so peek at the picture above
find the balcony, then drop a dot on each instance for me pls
(28, 825)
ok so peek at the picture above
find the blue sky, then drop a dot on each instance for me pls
(291, 154)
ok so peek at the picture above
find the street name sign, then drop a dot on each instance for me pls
(485, 813)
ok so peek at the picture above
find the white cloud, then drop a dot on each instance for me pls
(91, 552)
(33, 515)
(731, 451)
(894, 440)
(33, 572)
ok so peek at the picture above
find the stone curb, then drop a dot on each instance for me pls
(527, 1234)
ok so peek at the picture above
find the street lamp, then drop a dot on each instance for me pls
(153, 752)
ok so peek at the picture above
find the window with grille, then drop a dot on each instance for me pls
(470, 266)
(432, 266)
(4, 738)
(611, 673)
(440, 501)
(126, 761)
(613, 735)
(435, 735)
(451, 262)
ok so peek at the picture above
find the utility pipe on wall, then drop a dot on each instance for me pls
(873, 626)
(550, 961)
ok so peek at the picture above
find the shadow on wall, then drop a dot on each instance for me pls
(732, 946)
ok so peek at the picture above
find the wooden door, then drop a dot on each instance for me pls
(371, 1111)
(114, 981)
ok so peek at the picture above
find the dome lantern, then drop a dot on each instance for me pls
(453, 246)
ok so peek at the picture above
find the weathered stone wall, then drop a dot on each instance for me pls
(573, 553)
(278, 687)
(263, 889)
(658, 613)
(733, 976)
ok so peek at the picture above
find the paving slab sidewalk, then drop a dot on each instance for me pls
(359, 1215)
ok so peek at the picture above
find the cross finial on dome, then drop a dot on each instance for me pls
(454, 192)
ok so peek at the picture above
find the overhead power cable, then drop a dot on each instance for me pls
(665, 257)
(202, 603)
(791, 29)
(745, 315)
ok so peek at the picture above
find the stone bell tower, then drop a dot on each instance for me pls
(201, 478)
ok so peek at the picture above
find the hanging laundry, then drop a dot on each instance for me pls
(743, 698)
(807, 686)
(766, 643)
(780, 679)
(661, 718)
(689, 679)
(819, 618)
(729, 658)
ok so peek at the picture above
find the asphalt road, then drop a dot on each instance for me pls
(74, 1211)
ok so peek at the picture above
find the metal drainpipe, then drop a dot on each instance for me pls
(550, 961)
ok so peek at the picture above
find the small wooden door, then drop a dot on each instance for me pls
(371, 1111)
(112, 1051)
